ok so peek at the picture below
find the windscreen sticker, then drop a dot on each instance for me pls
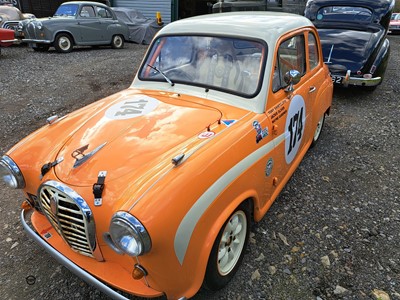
(133, 107)
(294, 129)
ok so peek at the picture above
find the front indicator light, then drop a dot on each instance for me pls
(129, 235)
(138, 272)
(11, 174)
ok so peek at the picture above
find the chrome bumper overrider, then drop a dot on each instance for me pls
(68, 263)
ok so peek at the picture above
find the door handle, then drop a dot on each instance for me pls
(312, 89)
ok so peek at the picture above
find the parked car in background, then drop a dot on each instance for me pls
(354, 38)
(6, 38)
(152, 190)
(75, 24)
(394, 25)
(10, 16)
(141, 29)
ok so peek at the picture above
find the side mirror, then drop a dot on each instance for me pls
(291, 78)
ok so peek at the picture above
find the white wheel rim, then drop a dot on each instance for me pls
(319, 128)
(118, 41)
(232, 242)
(64, 43)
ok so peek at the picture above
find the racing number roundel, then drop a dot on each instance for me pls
(294, 130)
(133, 107)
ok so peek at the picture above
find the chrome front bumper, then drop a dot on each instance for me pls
(90, 279)
(36, 41)
(9, 41)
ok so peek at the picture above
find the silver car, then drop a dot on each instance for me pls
(75, 23)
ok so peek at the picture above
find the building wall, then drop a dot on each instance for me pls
(148, 8)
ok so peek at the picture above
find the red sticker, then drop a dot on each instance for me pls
(206, 134)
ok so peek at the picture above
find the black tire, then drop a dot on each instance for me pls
(318, 130)
(63, 43)
(228, 249)
(117, 42)
(41, 48)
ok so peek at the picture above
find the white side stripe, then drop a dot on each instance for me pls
(189, 222)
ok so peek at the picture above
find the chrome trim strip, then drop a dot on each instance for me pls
(87, 277)
(9, 41)
(190, 220)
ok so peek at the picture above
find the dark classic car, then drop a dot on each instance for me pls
(75, 23)
(353, 37)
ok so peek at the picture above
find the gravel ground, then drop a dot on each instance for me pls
(333, 233)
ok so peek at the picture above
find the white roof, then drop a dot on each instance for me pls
(268, 26)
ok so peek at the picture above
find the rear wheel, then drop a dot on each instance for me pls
(228, 249)
(117, 42)
(63, 43)
(318, 130)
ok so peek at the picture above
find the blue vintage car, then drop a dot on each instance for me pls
(353, 37)
(75, 23)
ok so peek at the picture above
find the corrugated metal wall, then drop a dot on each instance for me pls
(148, 8)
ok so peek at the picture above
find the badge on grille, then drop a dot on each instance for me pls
(53, 205)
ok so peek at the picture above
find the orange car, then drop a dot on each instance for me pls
(152, 190)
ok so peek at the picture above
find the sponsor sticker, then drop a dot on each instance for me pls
(261, 133)
(228, 122)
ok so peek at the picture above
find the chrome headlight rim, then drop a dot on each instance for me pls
(134, 231)
(12, 174)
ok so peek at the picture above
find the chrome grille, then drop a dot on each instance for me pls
(10, 25)
(70, 216)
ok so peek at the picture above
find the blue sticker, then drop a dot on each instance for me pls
(228, 122)
(261, 133)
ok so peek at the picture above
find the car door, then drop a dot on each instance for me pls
(289, 112)
(90, 26)
(106, 23)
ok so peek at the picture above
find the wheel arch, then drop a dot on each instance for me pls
(199, 248)
(57, 33)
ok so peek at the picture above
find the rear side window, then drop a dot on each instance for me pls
(313, 51)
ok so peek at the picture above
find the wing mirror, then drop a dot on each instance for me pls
(291, 78)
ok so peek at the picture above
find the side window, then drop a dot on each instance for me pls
(313, 51)
(290, 56)
(103, 13)
(87, 12)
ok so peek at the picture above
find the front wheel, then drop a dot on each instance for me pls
(117, 42)
(228, 249)
(63, 43)
(318, 130)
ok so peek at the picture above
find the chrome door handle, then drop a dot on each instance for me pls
(312, 89)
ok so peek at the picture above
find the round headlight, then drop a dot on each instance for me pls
(11, 174)
(129, 235)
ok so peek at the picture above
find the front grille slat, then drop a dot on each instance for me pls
(68, 216)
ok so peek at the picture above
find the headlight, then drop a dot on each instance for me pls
(11, 174)
(129, 235)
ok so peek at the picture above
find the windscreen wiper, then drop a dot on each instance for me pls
(162, 73)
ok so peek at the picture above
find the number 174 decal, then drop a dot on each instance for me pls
(294, 129)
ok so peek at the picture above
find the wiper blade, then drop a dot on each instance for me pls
(162, 73)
